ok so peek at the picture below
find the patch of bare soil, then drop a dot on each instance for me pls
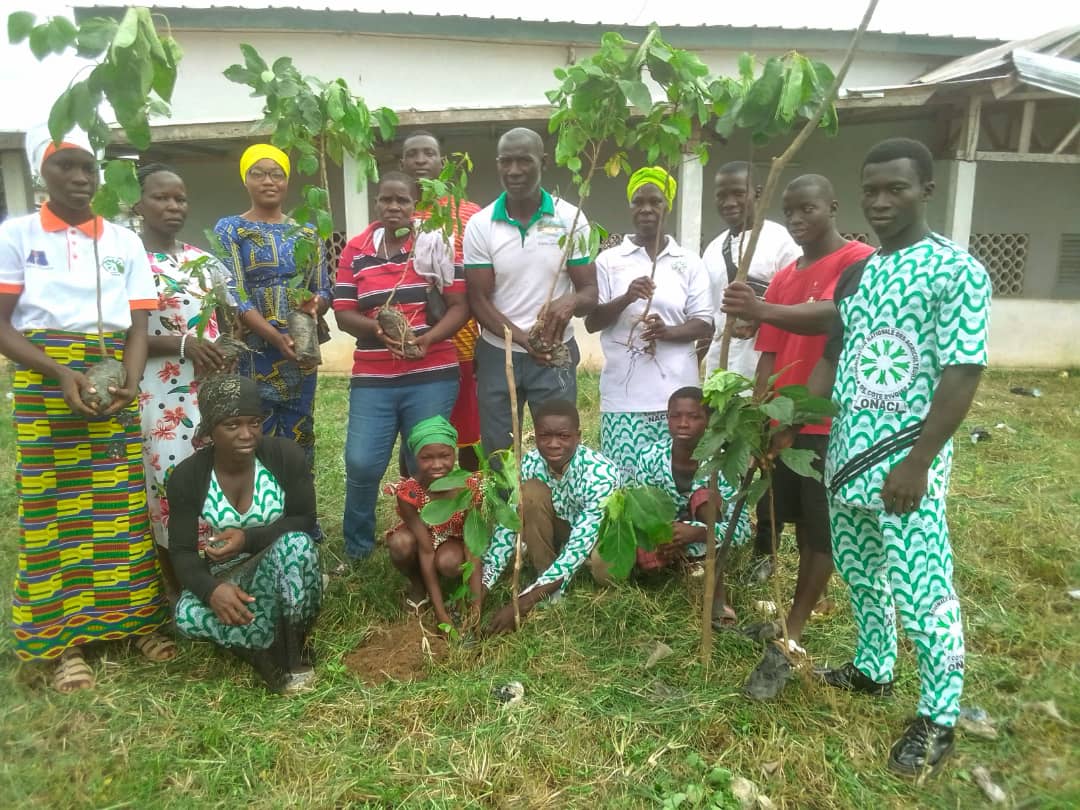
(400, 652)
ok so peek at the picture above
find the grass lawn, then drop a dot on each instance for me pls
(595, 728)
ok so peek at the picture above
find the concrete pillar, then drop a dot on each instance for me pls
(354, 190)
(338, 353)
(960, 201)
(688, 204)
(13, 169)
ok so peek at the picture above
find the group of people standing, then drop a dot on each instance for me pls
(897, 337)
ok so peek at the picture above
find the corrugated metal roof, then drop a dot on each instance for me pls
(1048, 61)
(997, 21)
(1063, 42)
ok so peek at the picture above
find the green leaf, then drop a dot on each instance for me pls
(746, 67)
(617, 546)
(255, 63)
(508, 516)
(240, 75)
(636, 93)
(651, 511)
(477, 534)
(20, 24)
(800, 461)
(308, 164)
(791, 97)
(128, 31)
(455, 479)
(120, 176)
(106, 203)
(755, 491)
(440, 510)
(164, 80)
(62, 34)
(137, 130)
(781, 409)
(39, 41)
(61, 116)
(95, 36)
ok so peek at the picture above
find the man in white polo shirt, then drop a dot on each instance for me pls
(513, 251)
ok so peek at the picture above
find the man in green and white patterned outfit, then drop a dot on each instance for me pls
(563, 485)
(906, 357)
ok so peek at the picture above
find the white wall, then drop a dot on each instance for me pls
(412, 73)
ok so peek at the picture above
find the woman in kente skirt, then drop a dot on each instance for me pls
(87, 569)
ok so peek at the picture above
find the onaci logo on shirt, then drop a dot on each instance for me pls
(886, 367)
(37, 258)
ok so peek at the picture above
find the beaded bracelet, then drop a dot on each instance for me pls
(183, 343)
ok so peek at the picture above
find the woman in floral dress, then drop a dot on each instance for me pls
(177, 354)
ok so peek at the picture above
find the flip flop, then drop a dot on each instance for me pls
(72, 672)
(727, 622)
(416, 607)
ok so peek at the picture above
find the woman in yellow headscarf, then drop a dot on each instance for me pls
(644, 362)
(259, 252)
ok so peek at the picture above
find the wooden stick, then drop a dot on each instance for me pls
(716, 559)
(710, 575)
(778, 164)
(515, 426)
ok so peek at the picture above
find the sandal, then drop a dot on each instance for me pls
(156, 647)
(72, 672)
(727, 621)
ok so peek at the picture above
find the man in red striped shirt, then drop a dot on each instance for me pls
(390, 392)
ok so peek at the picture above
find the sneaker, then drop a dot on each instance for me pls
(761, 570)
(922, 749)
(850, 677)
(770, 676)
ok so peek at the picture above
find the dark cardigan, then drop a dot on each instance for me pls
(187, 488)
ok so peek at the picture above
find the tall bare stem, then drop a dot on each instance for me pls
(515, 422)
(778, 164)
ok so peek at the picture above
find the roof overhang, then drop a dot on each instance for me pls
(494, 29)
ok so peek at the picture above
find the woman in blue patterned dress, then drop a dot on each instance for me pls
(259, 248)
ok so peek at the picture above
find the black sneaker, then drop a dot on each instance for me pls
(922, 749)
(770, 676)
(850, 677)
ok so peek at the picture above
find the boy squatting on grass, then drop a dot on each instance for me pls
(669, 465)
(903, 363)
(563, 484)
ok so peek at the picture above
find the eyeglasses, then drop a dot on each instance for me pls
(258, 175)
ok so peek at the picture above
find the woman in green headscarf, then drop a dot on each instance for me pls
(425, 553)
(646, 357)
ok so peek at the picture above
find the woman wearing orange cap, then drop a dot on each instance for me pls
(87, 569)
(259, 252)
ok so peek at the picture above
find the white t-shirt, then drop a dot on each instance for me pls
(525, 258)
(639, 383)
(50, 266)
(775, 251)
